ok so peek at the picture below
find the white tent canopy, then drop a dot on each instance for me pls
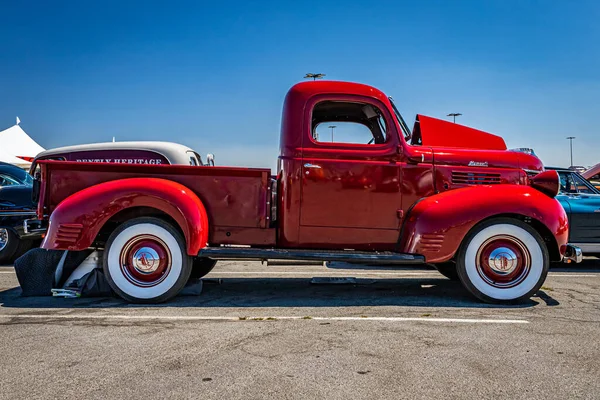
(15, 143)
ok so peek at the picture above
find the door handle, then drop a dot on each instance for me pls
(308, 165)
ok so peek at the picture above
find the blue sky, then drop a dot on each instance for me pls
(212, 75)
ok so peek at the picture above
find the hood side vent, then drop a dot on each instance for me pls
(475, 178)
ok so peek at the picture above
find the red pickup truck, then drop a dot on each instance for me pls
(371, 192)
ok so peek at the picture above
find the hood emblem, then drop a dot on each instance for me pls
(478, 164)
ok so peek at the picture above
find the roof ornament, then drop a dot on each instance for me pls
(314, 76)
(18, 121)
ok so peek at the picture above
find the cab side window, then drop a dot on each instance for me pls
(346, 122)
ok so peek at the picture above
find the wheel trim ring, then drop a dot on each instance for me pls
(132, 273)
(487, 273)
(3, 238)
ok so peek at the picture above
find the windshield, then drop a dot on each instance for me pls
(405, 131)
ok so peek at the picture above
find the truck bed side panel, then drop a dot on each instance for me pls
(233, 197)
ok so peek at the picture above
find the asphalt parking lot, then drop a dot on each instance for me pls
(267, 332)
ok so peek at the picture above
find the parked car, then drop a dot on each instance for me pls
(153, 153)
(593, 176)
(581, 201)
(15, 206)
(441, 193)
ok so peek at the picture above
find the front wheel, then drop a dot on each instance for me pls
(503, 260)
(9, 243)
(145, 261)
(448, 269)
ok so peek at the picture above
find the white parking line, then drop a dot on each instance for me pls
(262, 318)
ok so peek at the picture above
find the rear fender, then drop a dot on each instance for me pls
(437, 225)
(76, 221)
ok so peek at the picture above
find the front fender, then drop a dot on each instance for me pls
(76, 221)
(437, 225)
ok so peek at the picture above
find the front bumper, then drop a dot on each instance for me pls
(13, 220)
(573, 254)
(35, 226)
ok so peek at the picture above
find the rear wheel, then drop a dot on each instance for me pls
(145, 261)
(503, 260)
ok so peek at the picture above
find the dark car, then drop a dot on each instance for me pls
(581, 201)
(15, 206)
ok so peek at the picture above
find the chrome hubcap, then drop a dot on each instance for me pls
(146, 260)
(3, 238)
(503, 260)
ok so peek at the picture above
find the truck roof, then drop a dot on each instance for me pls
(300, 94)
(310, 88)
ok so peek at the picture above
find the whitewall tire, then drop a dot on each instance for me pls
(145, 261)
(503, 260)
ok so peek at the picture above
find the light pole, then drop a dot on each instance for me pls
(571, 145)
(314, 76)
(332, 128)
(454, 115)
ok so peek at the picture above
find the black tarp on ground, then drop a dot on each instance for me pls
(35, 270)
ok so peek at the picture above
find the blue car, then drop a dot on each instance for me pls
(581, 201)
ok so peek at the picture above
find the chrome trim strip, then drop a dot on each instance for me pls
(17, 213)
(532, 171)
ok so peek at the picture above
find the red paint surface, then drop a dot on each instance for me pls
(439, 133)
(445, 219)
(76, 221)
(547, 182)
(590, 173)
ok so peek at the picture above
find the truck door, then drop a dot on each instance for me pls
(350, 173)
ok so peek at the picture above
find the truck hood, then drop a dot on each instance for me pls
(459, 145)
(433, 132)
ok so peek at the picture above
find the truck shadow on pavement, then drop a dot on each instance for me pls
(295, 292)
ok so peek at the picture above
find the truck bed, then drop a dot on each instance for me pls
(235, 198)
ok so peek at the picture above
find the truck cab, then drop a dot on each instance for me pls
(353, 183)
(351, 168)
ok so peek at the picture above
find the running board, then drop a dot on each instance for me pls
(249, 253)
